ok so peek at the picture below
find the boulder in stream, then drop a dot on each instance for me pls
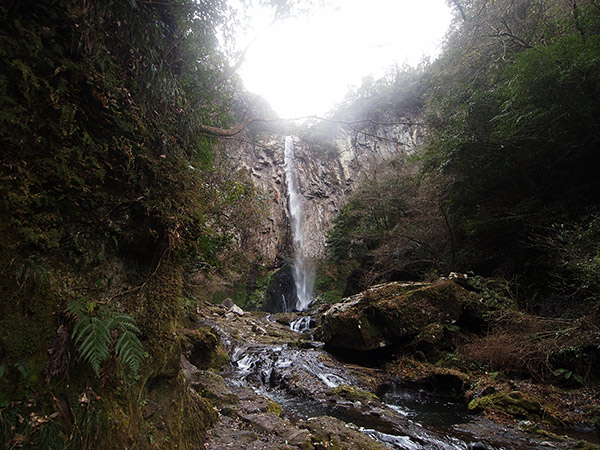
(412, 314)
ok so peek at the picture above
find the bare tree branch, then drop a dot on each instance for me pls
(460, 9)
(508, 34)
(246, 121)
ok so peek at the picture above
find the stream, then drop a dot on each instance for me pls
(289, 368)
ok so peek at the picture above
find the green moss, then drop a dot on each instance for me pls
(238, 294)
(248, 297)
(212, 387)
(256, 298)
(514, 403)
(431, 334)
(205, 348)
(583, 445)
(27, 326)
(394, 313)
(98, 195)
(330, 279)
(330, 297)
(403, 313)
(274, 407)
(534, 429)
(329, 433)
(352, 393)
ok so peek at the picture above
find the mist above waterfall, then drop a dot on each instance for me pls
(302, 266)
(330, 40)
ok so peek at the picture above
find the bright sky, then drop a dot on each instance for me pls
(304, 66)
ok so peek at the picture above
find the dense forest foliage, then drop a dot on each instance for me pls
(110, 195)
(506, 184)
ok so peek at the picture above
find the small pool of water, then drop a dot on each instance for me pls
(427, 409)
(375, 426)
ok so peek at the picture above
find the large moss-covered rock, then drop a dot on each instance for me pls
(399, 313)
(160, 407)
(204, 348)
(515, 403)
(330, 433)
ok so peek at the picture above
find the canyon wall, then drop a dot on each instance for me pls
(327, 176)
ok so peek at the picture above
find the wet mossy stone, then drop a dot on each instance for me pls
(530, 427)
(514, 403)
(285, 318)
(431, 339)
(352, 393)
(330, 433)
(395, 313)
(204, 348)
(274, 408)
(210, 385)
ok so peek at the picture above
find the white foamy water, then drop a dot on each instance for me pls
(302, 268)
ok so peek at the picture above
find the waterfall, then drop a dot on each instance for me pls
(302, 267)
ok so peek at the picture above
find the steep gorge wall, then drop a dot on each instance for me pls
(326, 179)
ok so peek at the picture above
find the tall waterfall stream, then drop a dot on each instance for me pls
(302, 267)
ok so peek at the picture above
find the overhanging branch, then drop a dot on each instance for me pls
(460, 9)
(246, 121)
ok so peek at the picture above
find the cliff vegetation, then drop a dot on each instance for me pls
(111, 195)
(504, 184)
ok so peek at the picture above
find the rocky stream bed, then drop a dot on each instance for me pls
(281, 389)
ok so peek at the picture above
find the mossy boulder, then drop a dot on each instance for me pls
(330, 433)
(352, 393)
(209, 385)
(398, 313)
(514, 403)
(285, 318)
(204, 349)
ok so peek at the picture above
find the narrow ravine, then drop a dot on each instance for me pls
(282, 389)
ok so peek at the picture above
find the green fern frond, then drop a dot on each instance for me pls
(130, 350)
(126, 322)
(92, 335)
(77, 308)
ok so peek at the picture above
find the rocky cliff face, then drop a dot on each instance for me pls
(326, 178)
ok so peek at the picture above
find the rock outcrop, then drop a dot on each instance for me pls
(411, 314)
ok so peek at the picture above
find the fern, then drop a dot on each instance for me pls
(129, 348)
(92, 335)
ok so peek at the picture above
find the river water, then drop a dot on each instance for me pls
(305, 379)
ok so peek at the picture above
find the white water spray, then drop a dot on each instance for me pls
(303, 270)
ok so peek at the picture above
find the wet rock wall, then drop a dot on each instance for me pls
(326, 178)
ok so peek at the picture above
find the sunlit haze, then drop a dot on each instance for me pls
(305, 66)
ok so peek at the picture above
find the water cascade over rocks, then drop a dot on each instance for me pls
(280, 391)
(302, 267)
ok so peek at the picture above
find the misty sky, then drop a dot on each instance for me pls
(304, 66)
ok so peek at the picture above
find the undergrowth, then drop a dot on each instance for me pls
(544, 349)
(96, 328)
(73, 424)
